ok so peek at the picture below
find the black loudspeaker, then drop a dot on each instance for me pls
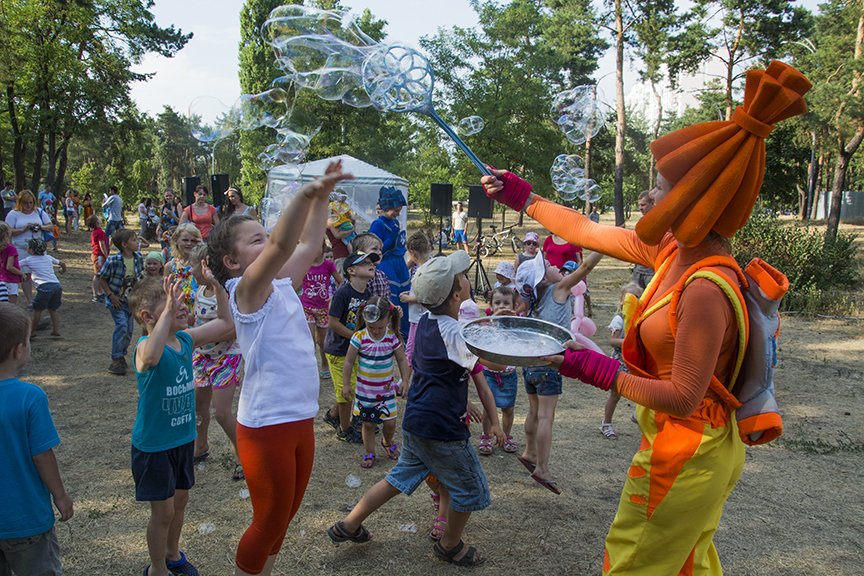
(218, 186)
(441, 199)
(189, 185)
(479, 205)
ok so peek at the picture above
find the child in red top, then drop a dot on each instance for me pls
(10, 274)
(98, 255)
(315, 297)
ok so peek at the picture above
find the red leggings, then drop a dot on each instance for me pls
(277, 461)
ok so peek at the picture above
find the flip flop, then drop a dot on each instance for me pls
(530, 466)
(550, 485)
(202, 457)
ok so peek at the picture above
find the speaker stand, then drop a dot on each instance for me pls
(482, 286)
(440, 235)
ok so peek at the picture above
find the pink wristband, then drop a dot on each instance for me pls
(590, 367)
(477, 369)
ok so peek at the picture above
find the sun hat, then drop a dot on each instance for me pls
(715, 169)
(390, 197)
(356, 258)
(530, 273)
(506, 269)
(532, 237)
(434, 279)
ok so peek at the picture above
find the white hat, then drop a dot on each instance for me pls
(531, 272)
(506, 269)
(434, 279)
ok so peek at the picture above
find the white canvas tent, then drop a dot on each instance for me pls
(362, 192)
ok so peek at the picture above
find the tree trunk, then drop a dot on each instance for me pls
(38, 151)
(810, 196)
(843, 157)
(621, 120)
(656, 133)
(587, 160)
(52, 162)
(19, 148)
(62, 162)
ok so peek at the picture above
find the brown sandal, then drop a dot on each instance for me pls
(471, 558)
(337, 534)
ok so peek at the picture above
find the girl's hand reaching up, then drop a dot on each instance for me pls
(209, 278)
(322, 187)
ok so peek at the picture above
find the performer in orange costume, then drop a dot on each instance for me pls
(680, 360)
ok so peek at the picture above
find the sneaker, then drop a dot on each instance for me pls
(608, 431)
(351, 436)
(182, 567)
(331, 420)
(118, 367)
(100, 299)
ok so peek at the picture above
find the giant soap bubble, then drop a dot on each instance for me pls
(579, 113)
(211, 120)
(471, 125)
(568, 178)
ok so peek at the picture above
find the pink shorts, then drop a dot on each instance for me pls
(318, 316)
(219, 372)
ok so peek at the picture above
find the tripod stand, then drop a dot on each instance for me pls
(482, 286)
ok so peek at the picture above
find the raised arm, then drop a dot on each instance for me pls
(309, 246)
(562, 290)
(150, 350)
(221, 329)
(254, 289)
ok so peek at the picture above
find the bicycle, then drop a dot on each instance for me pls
(499, 240)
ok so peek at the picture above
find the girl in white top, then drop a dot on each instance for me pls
(279, 396)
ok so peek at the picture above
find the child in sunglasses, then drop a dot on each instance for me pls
(530, 247)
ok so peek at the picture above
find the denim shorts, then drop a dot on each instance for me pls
(158, 474)
(454, 463)
(47, 296)
(542, 380)
(503, 386)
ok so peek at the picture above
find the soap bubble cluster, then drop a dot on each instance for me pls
(398, 78)
(470, 125)
(578, 113)
(568, 178)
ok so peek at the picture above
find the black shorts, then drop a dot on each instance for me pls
(158, 474)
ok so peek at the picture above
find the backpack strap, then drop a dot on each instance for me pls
(707, 269)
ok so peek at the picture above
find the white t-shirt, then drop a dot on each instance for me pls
(41, 268)
(460, 220)
(114, 204)
(281, 373)
(17, 219)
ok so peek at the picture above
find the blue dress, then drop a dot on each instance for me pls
(393, 262)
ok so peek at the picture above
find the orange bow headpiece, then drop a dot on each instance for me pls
(716, 168)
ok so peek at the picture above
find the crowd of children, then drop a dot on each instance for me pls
(386, 324)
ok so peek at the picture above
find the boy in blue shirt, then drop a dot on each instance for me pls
(163, 436)
(435, 435)
(30, 478)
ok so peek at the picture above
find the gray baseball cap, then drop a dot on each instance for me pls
(433, 280)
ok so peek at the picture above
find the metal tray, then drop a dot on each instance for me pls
(513, 340)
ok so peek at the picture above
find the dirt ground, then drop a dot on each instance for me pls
(797, 510)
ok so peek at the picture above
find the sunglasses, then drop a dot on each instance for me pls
(530, 243)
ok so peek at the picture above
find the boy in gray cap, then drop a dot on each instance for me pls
(434, 431)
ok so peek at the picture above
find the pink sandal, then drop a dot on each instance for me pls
(485, 445)
(438, 528)
(510, 445)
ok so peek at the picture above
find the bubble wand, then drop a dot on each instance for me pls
(398, 78)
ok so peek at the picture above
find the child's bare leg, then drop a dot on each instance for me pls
(506, 420)
(543, 437)
(444, 501)
(530, 451)
(319, 335)
(389, 430)
(34, 322)
(369, 437)
(456, 522)
(55, 322)
(27, 286)
(161, 519)
(172, 547)
(373, 499)
(611, 404)
(203, 396)
(344, 409)
(95, 286)
(223, 402)
(487, 423)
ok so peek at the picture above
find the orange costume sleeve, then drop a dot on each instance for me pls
(706, 338)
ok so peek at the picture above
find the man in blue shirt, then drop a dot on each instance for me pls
(30, 478)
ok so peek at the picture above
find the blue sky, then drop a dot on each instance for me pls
(207, 66)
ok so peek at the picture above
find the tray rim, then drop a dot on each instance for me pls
(508, 359)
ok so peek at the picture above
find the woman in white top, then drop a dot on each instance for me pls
(235, 206)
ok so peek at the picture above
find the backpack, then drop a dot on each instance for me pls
(755, 301)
